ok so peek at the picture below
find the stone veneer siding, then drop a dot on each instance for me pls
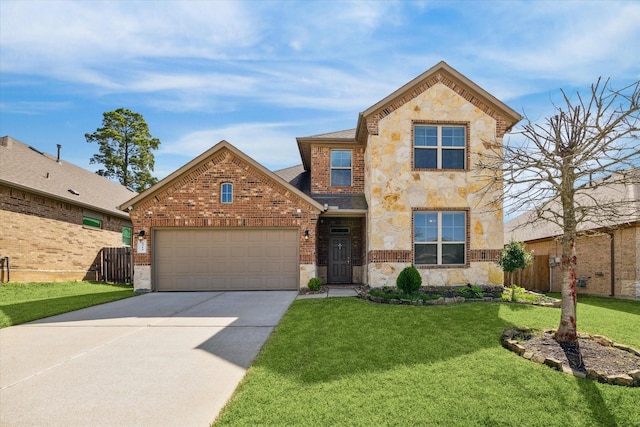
(593, 253)
(193, 200)
(394, 189)
(46, 241)
(321, 169)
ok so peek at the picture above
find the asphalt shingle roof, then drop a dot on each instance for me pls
(32, 170)
(613, 190)
(301, 179)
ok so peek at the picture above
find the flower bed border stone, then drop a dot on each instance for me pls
(630, 379)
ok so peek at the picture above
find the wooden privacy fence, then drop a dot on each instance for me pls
(533, 278)
(116, 265)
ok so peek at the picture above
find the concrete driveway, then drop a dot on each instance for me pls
(161, 359)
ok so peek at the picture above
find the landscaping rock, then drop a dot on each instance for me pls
(622, 379)
(611, 364)
(602, 340)
(554, 364)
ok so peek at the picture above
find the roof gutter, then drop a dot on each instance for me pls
(333, 211)
(62, 199)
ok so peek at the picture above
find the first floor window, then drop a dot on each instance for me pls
(126, 236)
(226, 191)
(439, 238)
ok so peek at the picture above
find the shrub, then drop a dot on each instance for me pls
(471, 291)
(314, 284)
(409, 280)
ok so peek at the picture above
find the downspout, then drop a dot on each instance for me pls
(613, 266)
(6, 260)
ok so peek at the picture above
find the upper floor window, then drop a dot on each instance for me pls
(439, 238)
(439, 147)
(91, 222)
(340, 168)
(91, 219)
(226, 192)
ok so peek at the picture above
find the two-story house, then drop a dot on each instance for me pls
(399, 189)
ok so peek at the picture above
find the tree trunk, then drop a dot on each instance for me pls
(567, 331)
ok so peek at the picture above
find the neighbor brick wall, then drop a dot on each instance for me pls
(321, 169)
(593, 253)
(46, 241)
(193, 200)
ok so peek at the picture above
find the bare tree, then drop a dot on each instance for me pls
(557, 166)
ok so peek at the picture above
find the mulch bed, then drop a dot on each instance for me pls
(602, 359)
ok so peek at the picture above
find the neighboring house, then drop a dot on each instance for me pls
(397, 190)
(607, 249)
(54, 216)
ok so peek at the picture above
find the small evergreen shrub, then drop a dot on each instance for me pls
(409, 280)
(314, 284)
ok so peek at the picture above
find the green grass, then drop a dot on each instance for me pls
(23, 302)
(345, 361)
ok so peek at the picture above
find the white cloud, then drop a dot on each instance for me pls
(271, 144)
(52, 33)
(571, 42)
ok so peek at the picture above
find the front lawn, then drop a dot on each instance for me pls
(345, 361)
(23, 302)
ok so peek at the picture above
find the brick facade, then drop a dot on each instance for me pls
(46, 241)
(594, 260)
(356, 232)
(193, 200)
(321, 169)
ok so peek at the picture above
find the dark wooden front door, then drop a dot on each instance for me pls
(339, 260)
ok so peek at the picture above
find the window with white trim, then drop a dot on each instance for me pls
(439, 147)
(226, 193)
(340, 168)
(439, 238)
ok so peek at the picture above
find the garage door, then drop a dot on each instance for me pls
(213, 259)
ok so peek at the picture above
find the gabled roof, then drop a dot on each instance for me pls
(339, 137)
(31, 170)
(440, 73)
(205, 157)
(291, 173)
(615, 189)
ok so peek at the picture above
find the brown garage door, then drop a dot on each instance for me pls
(213, 259)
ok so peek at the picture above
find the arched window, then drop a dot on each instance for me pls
(226, 192)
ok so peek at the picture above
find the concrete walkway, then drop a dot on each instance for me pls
(332, 292)
(161, 359)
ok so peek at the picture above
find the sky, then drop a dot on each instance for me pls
(261, 73)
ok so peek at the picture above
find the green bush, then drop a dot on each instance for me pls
(470, 291)
(314, 284)
(409, 280)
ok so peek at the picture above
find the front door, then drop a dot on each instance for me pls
(339, 260)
